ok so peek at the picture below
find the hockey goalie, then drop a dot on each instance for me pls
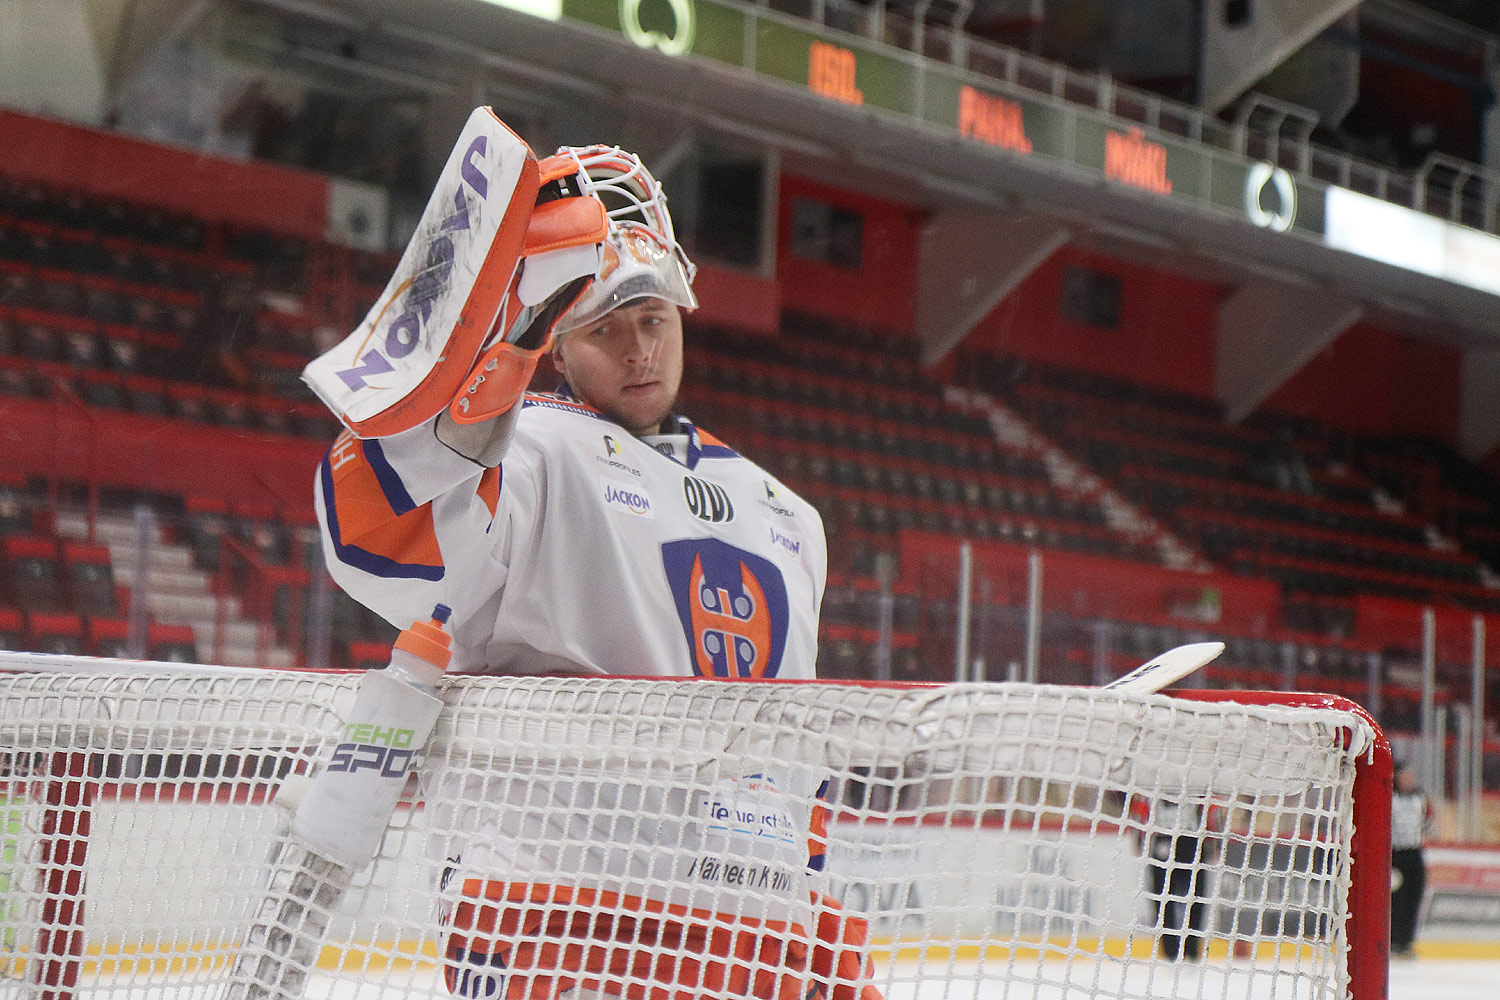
(588, 531)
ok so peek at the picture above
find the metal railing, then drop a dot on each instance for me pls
(1263, 127)
(1441, 730)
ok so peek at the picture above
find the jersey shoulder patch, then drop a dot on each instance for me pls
(713, 447)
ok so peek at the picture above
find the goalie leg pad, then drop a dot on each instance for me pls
(533, 941)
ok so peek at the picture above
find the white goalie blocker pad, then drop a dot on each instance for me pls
(408, 357)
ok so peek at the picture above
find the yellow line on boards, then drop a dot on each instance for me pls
(176, 958)
(1138, 947)
(1453, 948)
(1142, 946)
(208, 958)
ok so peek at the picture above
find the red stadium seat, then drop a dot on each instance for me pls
(11, 634)
(171, 643)
(107, 636)
(368, 655)
(55, 633)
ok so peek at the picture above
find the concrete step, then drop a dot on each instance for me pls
(171, 580)
(276, 657)
(237, 632)
(119, 535)
(108, 528)
(191, 608)
(122, 555)
(177, 591)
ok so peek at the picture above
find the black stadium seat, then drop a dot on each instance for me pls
(91, 582)
(32, 573)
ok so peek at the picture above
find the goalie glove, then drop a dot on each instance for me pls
(560, 255)
(462, 284)
(640, 259)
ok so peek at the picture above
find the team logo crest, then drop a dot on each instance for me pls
(732, 605)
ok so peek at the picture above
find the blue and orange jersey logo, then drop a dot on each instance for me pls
(732, 605)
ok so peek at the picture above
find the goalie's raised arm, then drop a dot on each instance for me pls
(503, 247)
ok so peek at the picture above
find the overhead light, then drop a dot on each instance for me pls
(1383, 231)
(551, 10)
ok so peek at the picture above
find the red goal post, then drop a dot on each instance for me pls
(976, 834)
(1369, 905)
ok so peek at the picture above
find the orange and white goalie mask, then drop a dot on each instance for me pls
(641, 256)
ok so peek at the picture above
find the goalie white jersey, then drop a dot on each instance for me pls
(590, 550)
(587, 551)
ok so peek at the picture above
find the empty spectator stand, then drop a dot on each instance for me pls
(1319, 530)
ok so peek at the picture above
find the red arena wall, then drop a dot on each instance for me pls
(110, 165)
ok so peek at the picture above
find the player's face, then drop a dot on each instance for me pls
(627, 364)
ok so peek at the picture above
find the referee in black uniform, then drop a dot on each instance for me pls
(1411, 817)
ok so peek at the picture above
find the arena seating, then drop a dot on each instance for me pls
(107, 307)
(1269, 497)
(867, 438)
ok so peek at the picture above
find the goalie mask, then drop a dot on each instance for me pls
(641, 257)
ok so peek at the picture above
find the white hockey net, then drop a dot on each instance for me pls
(650, 839)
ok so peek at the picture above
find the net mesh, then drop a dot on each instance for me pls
(676, 839)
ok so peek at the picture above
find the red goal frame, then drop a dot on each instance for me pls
(1369, 929)
(71, 789)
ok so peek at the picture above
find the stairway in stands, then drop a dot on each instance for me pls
(178, 592)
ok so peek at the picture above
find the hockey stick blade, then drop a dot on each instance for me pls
(1169, 667)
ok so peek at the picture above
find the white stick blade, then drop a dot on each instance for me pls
(1168, 668)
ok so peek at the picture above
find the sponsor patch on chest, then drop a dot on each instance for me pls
(707, 501)
(748, 807)
(783, 538)
(629, 498)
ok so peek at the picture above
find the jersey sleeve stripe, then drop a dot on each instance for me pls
(390, 482)
(489, 489)
(383, 540)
